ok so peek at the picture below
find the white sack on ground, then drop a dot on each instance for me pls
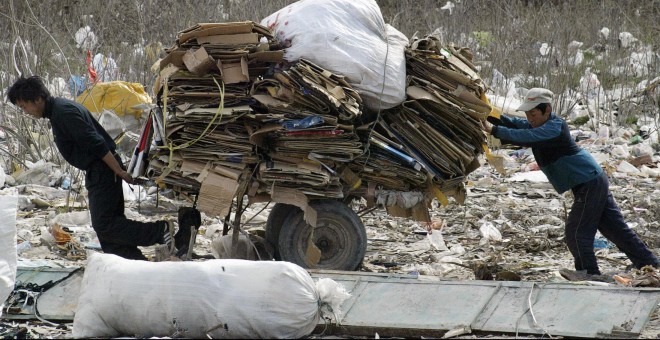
(221, 298)
(347, 37)
(72, 219)
(41, 173)
(8, 206)
(2, 177)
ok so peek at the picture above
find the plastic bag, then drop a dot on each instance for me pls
(3, 176)
(119, 96)
(437, 241)
(221, 248)
(332, 293)
(347, 37)
(489, 233)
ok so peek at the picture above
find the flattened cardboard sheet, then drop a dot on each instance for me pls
(297, 198)
(207, 29)
(233, 39)
(216, 194)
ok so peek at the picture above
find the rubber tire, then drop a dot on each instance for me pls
(276, 218)
(340, 235)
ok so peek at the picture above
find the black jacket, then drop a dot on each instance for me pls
(78, 135)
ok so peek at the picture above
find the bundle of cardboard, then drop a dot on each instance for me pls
(238, 120)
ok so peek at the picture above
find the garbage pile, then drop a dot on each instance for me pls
(238, 118)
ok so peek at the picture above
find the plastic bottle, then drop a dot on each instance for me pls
(23, 246)
(66, 182)
(636, 139)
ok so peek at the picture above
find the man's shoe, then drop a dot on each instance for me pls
(575, 275)
(187, 217)
(606, 277)
(168, 235)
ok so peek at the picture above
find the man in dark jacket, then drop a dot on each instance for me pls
(568, 166)
(84, 143)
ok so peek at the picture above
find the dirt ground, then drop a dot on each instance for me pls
(528, 215)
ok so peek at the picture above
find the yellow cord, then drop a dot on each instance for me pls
(168, 142)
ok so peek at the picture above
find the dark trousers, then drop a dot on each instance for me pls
(117, 234)
(594, 209)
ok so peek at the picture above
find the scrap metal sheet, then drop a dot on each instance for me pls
(407, 306)
(55, 303)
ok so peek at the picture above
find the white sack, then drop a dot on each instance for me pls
(7, 246)
(72, 219)
(41, 173)
(347, 37)
(2, 177)
(122, 297)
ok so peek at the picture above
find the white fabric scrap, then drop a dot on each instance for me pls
(404, 199)
(531, 176)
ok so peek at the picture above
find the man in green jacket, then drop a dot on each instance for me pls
(569, 167)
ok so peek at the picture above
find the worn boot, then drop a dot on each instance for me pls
(575, 275)
(188, 217)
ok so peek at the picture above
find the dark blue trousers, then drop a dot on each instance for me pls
(594, 209)
(117, 234)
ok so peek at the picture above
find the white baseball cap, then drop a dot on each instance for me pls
(534, 97)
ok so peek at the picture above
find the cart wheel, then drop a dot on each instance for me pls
(339, 235)
(274, 224)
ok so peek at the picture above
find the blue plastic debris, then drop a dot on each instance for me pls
(76, 85)
(304, 123)
(602, 243)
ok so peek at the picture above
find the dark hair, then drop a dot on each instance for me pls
(28, 90)
(543, 107)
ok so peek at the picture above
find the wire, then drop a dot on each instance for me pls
(531, 311)
(247, 237)
(34, 296)
(257, 213)
(380, 101)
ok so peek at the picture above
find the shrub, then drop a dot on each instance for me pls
(579, 121)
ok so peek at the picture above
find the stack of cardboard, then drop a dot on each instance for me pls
(433, 140)
(240, 121)
(204, 84)
(313, 134)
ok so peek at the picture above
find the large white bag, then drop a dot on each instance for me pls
(347, 37)
(8, 204)
(218, 298)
